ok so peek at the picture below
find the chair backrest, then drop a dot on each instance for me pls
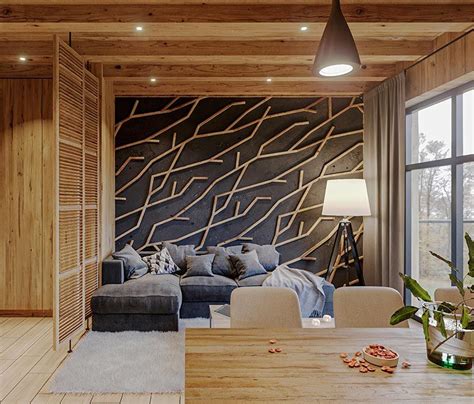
(265, 307)
(452, 295)
(366, 307)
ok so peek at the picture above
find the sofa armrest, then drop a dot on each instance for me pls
(112, 271)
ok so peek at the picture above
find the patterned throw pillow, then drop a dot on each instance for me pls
(161, 262)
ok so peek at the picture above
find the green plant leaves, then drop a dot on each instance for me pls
(438, 316)
(443, 259)
(465, 317)
(416, 288)
(459, 284)
(470, 247)
(446, 307)
(402, 314)
(425, 319)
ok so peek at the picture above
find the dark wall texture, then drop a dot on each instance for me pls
(220, 171)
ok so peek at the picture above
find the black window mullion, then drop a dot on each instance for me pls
(457, 202)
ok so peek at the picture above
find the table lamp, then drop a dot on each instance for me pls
(346, 198)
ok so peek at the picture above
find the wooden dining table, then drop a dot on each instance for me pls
(234, 365)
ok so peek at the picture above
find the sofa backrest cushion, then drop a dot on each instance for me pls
(247, 265)
(199, 265)
(179, 253)
(267, 254)
(132, 262)
(221, 264)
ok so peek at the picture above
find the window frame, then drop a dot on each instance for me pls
(454, 162)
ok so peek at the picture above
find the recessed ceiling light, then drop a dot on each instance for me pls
(304, 28)
(153, 80)
(269, 80)
(22, 58)
(139, 28)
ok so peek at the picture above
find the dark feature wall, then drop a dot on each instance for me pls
(221, 171)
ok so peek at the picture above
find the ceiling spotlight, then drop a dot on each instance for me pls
(337, 53)
(304, 28)
(153, 80)
(139, 28)
(22, 58)
(269, 80)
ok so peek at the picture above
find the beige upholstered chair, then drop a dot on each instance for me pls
(366, 307)
(265, 307)
(452, 295)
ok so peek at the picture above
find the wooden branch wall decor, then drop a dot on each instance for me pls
(76, 118)
(222, 171)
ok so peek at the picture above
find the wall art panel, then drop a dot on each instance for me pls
(222, 171)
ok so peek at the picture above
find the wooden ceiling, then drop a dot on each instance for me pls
(225, 47)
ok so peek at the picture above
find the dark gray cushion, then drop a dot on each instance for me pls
(221, 264)
(150, 294)
(199, 265)
(256, 280)
(268, 256)
(247, 265)
(215, 288)
(179, 253)
(132, 262)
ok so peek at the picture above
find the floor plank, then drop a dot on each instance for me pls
(136, 398)
(165, 399)
(5, 364)
(10, 324)
(22, 344)
(47, 398)
(27, 388)
(15, 372)
(50, 361)
(6, 343)
(106, 398)
(76, 398)
(22, 328)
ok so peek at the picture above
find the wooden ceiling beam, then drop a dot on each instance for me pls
(244, 72)
(123, 50)
(223, 48)
(240, 88)
(140, 13)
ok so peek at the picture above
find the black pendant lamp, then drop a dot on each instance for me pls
(337, 53)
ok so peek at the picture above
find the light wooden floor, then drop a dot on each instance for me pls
(27, 362)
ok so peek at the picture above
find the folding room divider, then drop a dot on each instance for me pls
(76, 119)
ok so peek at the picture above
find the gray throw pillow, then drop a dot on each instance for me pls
(221, 264)
(132, 262)
(179, 253)
(199, 265)
(267, 254)
(247, 265)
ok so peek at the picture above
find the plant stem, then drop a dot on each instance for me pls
(442, 342)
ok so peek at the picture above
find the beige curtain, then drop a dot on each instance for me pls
(384, 171)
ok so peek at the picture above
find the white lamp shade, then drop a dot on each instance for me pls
(346, 198)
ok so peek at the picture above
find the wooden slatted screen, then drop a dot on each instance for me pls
(91, 193)
(76, 116)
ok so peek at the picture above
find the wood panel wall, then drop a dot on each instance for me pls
(26, 172)
(451, 66)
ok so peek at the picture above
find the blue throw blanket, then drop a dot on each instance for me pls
(314, 293)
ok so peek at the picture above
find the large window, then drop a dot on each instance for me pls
(440, 185)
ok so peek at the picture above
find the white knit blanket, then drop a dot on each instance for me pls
(308, 287)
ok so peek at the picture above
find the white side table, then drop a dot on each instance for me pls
(218, 320)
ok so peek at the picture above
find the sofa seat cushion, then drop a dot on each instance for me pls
(256, 280)
(215, 288)
(150, 294)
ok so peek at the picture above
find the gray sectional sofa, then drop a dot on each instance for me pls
(156, 302)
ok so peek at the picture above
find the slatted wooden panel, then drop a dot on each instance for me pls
(91, 191)
(69, 117)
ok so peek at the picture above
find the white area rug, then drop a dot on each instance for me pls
(126, 362)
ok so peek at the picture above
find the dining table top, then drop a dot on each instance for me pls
(235, 365)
